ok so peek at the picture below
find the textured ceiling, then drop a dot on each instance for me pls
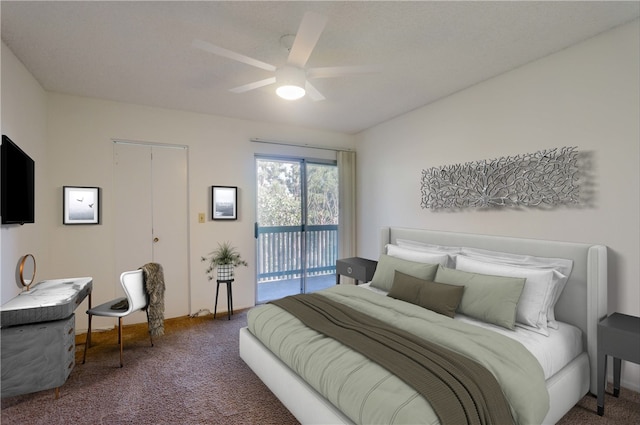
(140, 52)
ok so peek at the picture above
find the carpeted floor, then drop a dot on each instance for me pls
(624, 410)
(194, 375)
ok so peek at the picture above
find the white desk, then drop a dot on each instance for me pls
(46, 301)
(38, 335)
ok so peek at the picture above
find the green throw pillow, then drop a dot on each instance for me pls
(492, 299)
(387, 266)
(439, 297)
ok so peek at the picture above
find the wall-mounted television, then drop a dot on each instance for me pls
(17, 184)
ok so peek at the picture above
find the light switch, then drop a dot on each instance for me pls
(200, 217)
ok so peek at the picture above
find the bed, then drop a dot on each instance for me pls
(581, 304)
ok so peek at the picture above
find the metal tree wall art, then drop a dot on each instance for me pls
(543, 178)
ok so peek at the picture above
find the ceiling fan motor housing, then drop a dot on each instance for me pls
(291, 82)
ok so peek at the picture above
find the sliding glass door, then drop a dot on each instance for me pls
(297, 228)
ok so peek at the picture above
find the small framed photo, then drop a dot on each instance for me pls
(81, 205)
(224, 202)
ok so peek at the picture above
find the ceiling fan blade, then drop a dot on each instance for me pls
(216, 50)
(254, 85)
(341, 71)
(313, 92)
(308, 34)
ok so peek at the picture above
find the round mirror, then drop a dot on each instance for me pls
(27, 270)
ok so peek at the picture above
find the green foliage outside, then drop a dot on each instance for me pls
(322, 194)
(279, 194)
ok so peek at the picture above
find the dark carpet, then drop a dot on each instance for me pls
(194, 375)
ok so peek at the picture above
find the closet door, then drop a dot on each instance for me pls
(151, 204)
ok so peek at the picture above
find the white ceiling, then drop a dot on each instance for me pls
(140, 52)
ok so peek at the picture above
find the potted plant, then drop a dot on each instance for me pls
(224, 259)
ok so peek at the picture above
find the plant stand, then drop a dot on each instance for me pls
(229, 297)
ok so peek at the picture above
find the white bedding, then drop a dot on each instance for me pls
(553, 352)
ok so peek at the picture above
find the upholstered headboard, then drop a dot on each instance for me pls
(583, 302)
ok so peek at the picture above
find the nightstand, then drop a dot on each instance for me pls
(360, 269)
(618, 337)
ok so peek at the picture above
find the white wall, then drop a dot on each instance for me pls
(23, 120)
(586, 96)
(80, 152)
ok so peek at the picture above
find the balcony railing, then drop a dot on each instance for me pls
(280, 251)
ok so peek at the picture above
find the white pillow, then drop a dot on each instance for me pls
(560, 283)
(537, 295)
(417, 255)
(451, 251)
(561, 266)
(421, 246)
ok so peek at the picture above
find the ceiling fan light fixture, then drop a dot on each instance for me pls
(291, 82)
(290, 92)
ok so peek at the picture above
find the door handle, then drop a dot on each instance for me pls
(155, 239)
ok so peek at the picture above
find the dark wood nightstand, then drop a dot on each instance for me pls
(360, 269)
(618, 337)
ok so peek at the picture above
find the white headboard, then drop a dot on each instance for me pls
(583, 302)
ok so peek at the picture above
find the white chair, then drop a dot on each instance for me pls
(136, 299)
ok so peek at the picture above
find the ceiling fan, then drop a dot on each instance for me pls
(292, 79)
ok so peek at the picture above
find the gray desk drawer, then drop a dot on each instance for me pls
(37, 356)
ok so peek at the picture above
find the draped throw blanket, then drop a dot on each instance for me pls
(460, 390)
(154, 286)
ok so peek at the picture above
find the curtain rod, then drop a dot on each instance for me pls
(150, 144)
(299, 145)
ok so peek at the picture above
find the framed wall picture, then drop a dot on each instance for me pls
(81, 205)
(224, 202)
